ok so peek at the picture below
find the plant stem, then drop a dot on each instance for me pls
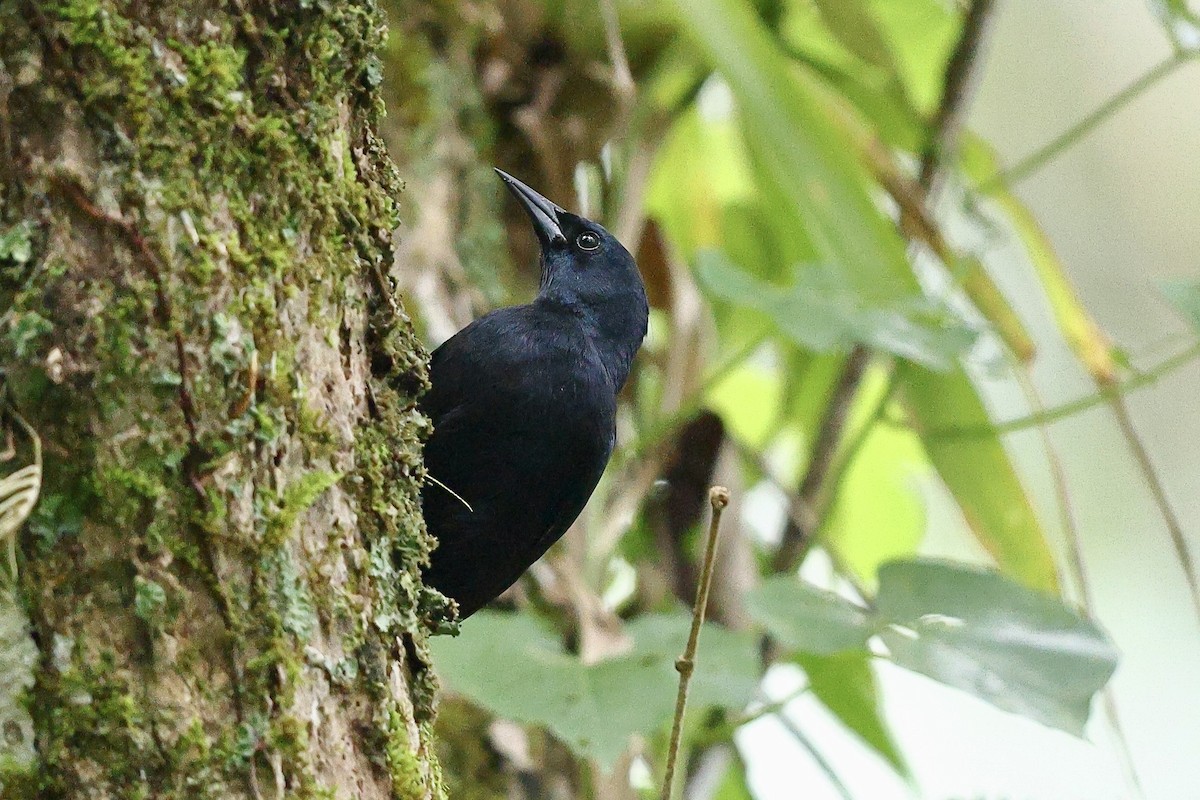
(1074, 407)
(718, 498)
(1051, 150)
(662, 429)
(1077, 565)
(957, 87)
(725, 730)
(796, 537)
(1159, 492)
(824, 765)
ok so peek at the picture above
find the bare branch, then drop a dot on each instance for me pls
(718, 498)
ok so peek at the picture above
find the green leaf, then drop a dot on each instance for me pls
(799, 150)
(727, 670)
(922, 34)
(701, 168)
(851, 22)
(819, 313)
(749, 400)
(1185, 296)
(511, 666)
(734, 785)
(979, 474)
(805, 618)
(846, 685)
(1020, 650)
(1078, 327)
(879, 513)
(26, 331)
(149, 599)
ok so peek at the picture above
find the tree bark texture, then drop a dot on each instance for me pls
(221, 576)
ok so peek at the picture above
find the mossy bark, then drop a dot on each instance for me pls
(221, 574)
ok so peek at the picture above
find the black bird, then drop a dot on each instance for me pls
(523, 404)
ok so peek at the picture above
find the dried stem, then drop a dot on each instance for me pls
(622, 76)
(718, 498)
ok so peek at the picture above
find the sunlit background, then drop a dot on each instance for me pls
(538, 89)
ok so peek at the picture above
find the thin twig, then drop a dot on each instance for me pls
(1105, 395)
(720, 733)
(1077, 565)
(1052, 149)
(957, 88)
(796, 537)
(718, 498)
(1159, 492)
(622, 77)
(803, 740)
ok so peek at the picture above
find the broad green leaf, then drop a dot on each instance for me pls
(798, 149)
(1080, 330)
(805, 618)
(509, 665)
(846, 685)
(700, 169)
(980, 475)
(819, 313)
(922, 34)
(879, 513)
(876, 90)
(727, 670)
(1185, 296)
(749, 400)
(886, 111)
(1020, 650)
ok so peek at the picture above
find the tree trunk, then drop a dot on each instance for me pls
(221, 575)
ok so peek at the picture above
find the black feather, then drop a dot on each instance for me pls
(523, 404)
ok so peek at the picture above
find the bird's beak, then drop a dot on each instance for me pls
(541, 211)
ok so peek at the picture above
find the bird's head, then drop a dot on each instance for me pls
(581, 261)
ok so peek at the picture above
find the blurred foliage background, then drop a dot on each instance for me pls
(945, 462)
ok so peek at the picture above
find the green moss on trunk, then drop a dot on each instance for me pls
(222, 573)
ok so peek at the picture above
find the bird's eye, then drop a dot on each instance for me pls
(587, 241)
